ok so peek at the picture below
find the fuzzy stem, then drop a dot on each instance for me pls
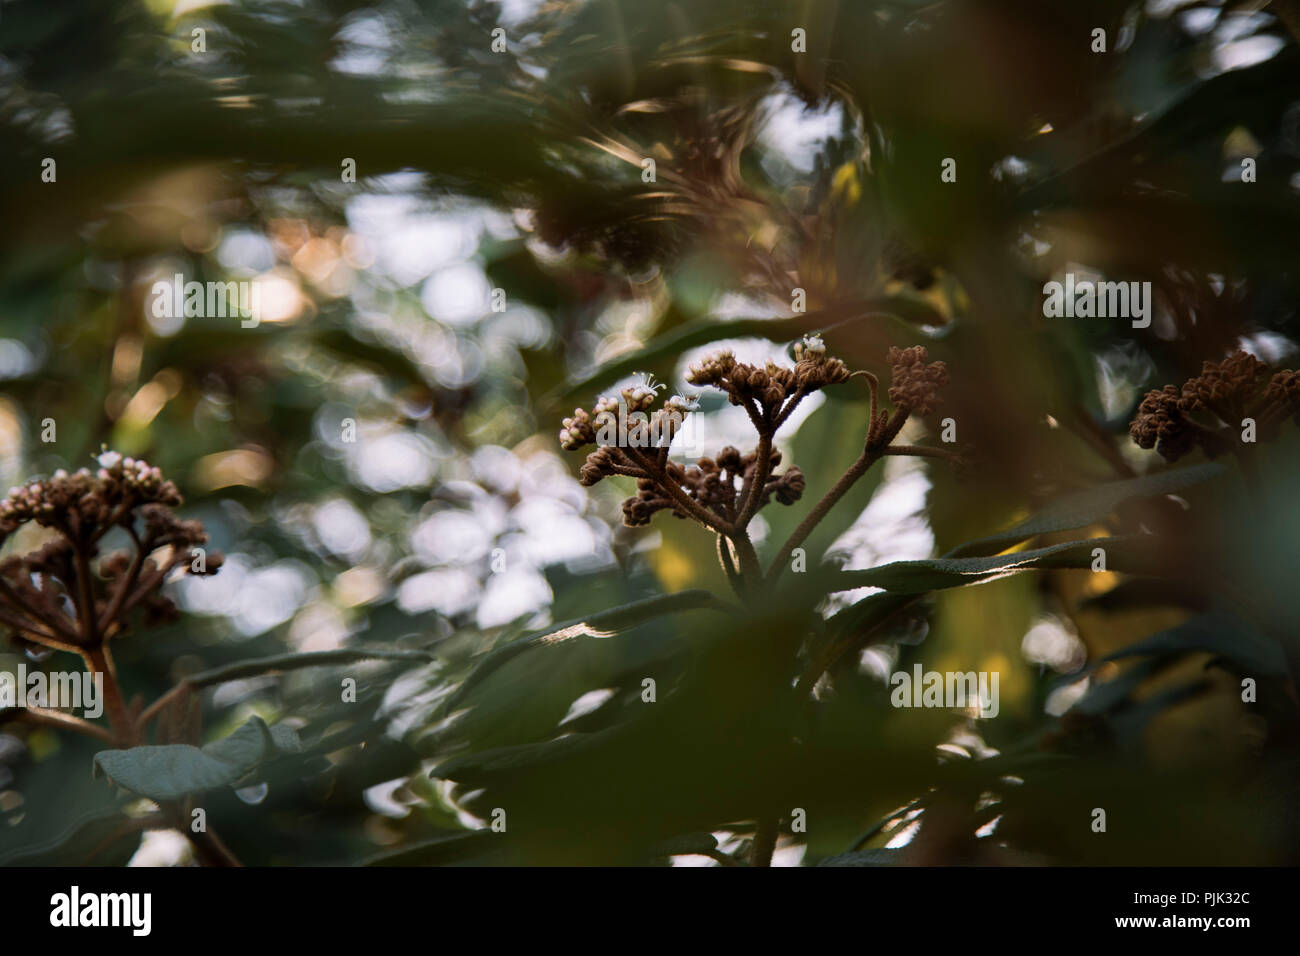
(44, 716)
(751, 571)
(874, 384)
(751, 492)
(789, 408)
(729, 566)
(209, 847)
(100, 661)
(693, 508)
(128, 582)
(764, 842)
(881, 434)
(86, 604)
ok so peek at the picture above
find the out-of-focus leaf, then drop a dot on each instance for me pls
(1104, 696)
(1131, 553)
(901, 309)
(599, 625)
(1083, 508)
(176, 770)
(288, 662)
(824, 447)
(76, 835)
(1129, 722)
(1228, 638)
(519, 692)
(388, 360)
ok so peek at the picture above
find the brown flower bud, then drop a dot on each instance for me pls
(915, 380)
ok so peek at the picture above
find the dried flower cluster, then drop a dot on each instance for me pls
(55, 595)
(774, 390)
(715, 485)
(1206, 411)
(915, 380)
(64, 596)
(724, 492)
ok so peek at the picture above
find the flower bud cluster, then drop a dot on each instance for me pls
(1208, 407)
(55, 594)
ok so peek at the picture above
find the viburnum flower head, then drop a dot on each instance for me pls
(1208, 407)
(42, 586)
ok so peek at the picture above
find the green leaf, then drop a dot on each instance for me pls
(286, 662)
(521, 690)
(904, 311)
(1103, 697)
(1130, 553)
(350, 348)
(1225, 636)
(68, 846)
(1086, 507)
(599, 625)
(1069, 512)
(59, 824)
(176, 770)
(824, 447)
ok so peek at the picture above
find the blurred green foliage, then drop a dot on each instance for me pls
(521, 170)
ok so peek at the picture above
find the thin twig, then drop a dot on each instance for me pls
(751, 492)
(128, 581)
(268, 665)
(729, 566)
(691, 507)
(764, 842)
(47, 717)
(99, 660)
(814, 517)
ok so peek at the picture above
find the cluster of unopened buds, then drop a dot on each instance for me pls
(725, 491)
(629, 423)
(62, 594)
(1209, 408)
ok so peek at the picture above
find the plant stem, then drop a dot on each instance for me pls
(207, 845)
(729, 566)
(877, 445)
(127, 583)
(751, 572)
(837, 491)
(44, 716)
(764, 842)
(751, 492)
(100, 661)
(693, 508)
(86, 604)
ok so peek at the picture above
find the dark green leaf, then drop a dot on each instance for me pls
(176, 770)
(1083, 508)
(1129, 553)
